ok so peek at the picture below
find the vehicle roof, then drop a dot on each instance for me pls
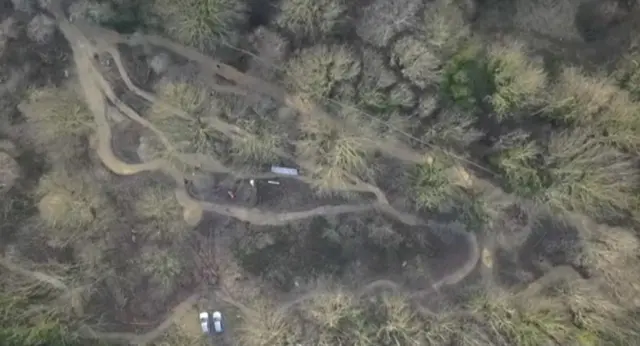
(204, 314)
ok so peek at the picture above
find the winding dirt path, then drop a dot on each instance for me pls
(99, 94)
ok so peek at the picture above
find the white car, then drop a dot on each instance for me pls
(217, 322)
(205, 322)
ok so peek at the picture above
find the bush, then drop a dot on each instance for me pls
(590, 177)
(190, 135)
(520, 166)
(9, 172)
(204, 24)
(627, 74)
(466, 80)
(158, 207)
(162, 265)
(317, 71)
(431, 185)
(56, 118)
(381, 20)
(517, 325)
(261, 147)
(596, 102)
(72, 205)
(445, 27)
(453, 129)
(41, 29)
(519, 82)
(416, 61)
(312, 19)
(336, 151)
(263, 325)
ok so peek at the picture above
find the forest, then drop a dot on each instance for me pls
(466, 172)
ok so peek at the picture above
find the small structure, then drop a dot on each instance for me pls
(284, 170)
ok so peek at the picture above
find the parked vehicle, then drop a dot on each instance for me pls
(205, 322)
(217, 322)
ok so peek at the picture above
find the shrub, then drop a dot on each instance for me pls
(263, 325)
(9, 172)
(41, 29)
(383, 19)
(627, 74)
(193, 134)
(336, 151)
(158, 207)
(431, 186)
(162, 265)
(56, 118)
(400, 324)
(312, 19)
(590, 177)
(416, 61)
(554, 18)
(465, 80)
(203, 24)
(453, 129)
(261, 147)
(72, 205)
(595, 102)
(445, 27)
(522, 322)
(520, 166)
(518, 81)
(316, 71)
(578, 98)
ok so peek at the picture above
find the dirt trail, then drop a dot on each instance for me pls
(98, 94)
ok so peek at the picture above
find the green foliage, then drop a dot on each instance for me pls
(530, 326)
(162, 265)
(520, 166)
(519, 82)
(431, 185)
(627, 74)
(591, 177)
(261, 147)
(27, 317)
(416, 61)
(312, 18)
(56, 115)
(192, 134)
(466, 80)
(203, 24)
(317, 71)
